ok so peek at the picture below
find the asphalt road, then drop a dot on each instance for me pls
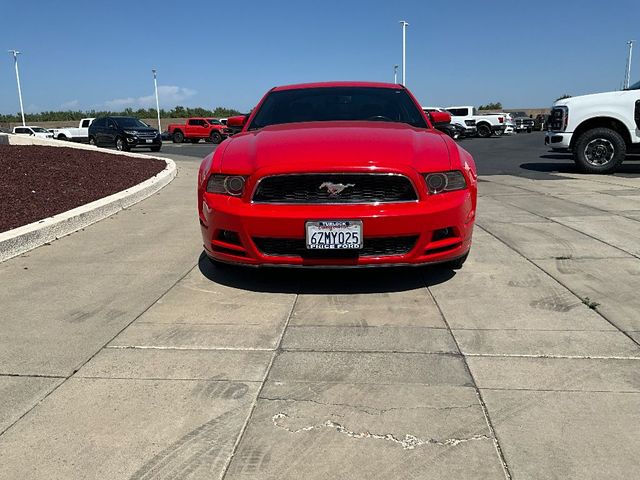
(523, 155)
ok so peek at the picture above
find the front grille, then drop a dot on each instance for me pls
(372, 247)
(316, 188)
(146, 134)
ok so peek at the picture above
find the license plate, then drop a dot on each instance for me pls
(334, 235)
(149, 141)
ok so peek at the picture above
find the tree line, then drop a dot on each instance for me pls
(176, 112)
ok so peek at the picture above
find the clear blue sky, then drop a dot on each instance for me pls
(85, 54)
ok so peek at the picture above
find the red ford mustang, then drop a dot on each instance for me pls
(338, 174)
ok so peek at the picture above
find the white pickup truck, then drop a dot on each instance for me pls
(598, 129)
(32, 131)
(80, 134)
(487, 125)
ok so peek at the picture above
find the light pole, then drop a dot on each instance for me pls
(404, 51)
(15, 54)
(395, 74)
(627, 74)
(155, 84)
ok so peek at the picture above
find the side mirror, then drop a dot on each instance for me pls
(238, 121)
(439, 117)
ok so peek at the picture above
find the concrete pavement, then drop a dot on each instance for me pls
(125, 354)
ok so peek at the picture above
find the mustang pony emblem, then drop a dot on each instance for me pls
(334, 189)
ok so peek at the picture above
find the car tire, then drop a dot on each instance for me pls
(215, 137)
(600, 150)
(178, 137)
(63, 138)
(121, 145)
(529, 130)
(484, 130)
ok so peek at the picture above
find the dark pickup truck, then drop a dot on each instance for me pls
(523, 122)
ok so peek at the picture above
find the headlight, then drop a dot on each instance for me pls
(445, 181)
(130, 132)
(226, 184)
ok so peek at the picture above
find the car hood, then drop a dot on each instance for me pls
(331, 145)
(590, 99)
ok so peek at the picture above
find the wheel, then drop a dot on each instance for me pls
(178, 137)
(484, 130)
(62, 137)
(155, 149)
(529, 130)
(215, 137)
(457, 263)
(121, 144)
(600, 150)
(92, 141)
(195, 140)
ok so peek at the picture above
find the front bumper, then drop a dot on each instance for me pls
(253, 223)
(134, 141)
(558, 140)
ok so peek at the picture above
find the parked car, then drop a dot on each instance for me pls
(124, 133)
(337, 174)
(196, 129)
(33, 131)
(487, 125)
(463, 128)
(523, 122)
(80, 134)
(541, 122)
(509, 124)
(598, 129)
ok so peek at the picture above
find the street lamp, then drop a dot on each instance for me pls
(15, 54)
(155, 84)
(627, 76)
(404, 51)
(395, 74)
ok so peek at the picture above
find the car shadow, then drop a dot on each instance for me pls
(563, 163)
(324, 281)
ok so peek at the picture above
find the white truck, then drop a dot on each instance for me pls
(80, 134)
(32, 131)
(598, 129)
(468, 126)
(487, 125)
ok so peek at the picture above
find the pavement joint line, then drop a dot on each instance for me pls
(551, 356)
(359, 352)
(223, 349)
(567, 390)
(262, 384)
(637, 342)
(485, 411)
(167, 379)
(31, 375)
(65, 379)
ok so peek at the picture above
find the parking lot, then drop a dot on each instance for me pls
(127, 354)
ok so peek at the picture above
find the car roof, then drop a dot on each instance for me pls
(395, 86)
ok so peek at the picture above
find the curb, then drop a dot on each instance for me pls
(22, 239)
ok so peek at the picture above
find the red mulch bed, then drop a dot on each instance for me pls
(37, 182)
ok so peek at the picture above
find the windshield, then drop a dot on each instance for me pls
(39, 130)
(213, 121)
(127, 122)
(327, 104)
(635, 86)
